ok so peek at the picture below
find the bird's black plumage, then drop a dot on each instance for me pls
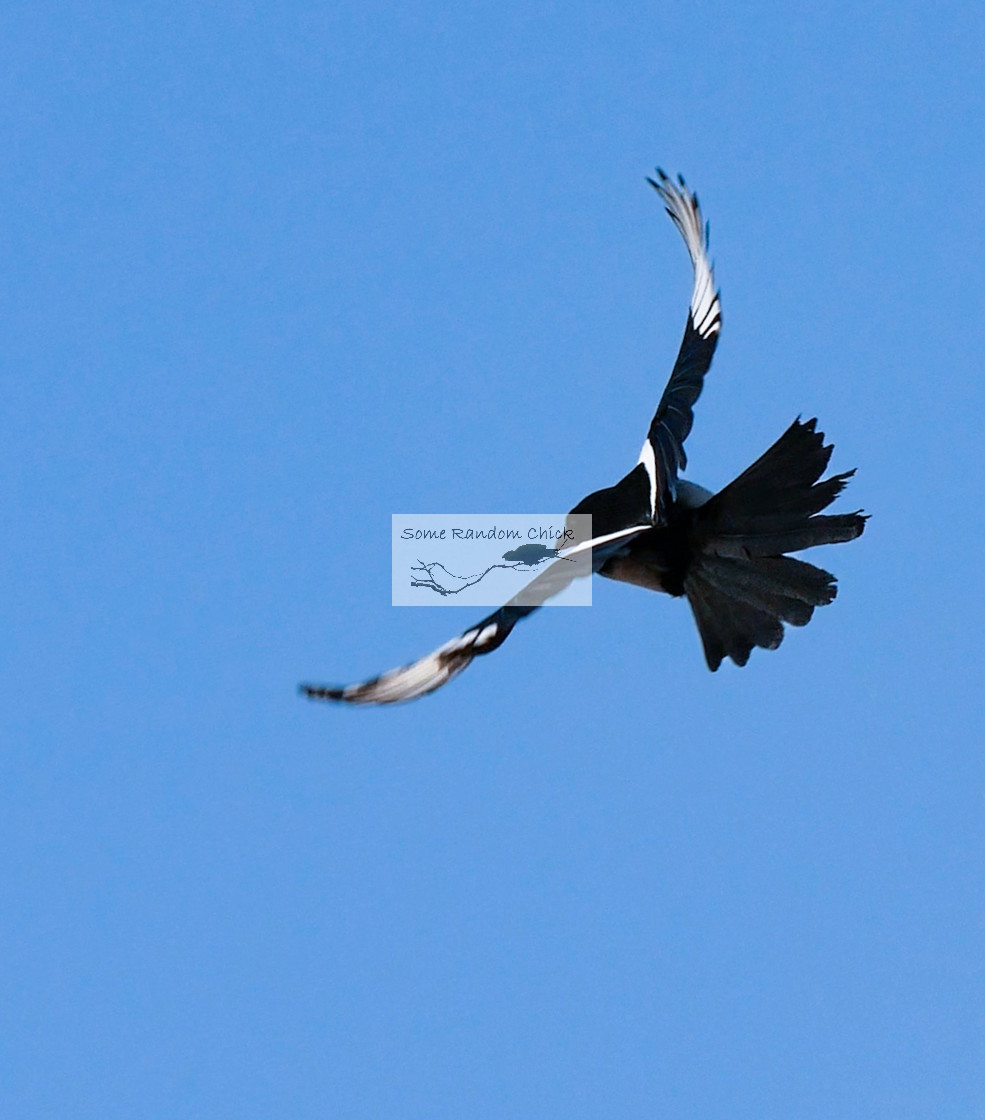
(726, 552)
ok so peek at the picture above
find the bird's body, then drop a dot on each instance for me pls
(726, 552)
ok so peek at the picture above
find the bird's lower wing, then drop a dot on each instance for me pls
(431, 672)
(447, 661)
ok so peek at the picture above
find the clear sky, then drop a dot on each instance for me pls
(274, 272)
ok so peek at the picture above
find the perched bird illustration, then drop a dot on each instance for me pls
(533, 554)
(725, 552)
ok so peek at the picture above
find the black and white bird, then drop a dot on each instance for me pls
(727, 553)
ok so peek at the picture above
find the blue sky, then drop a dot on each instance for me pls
(272, 273)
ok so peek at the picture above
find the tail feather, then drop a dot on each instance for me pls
(728, 625)
(740, 585)
(776, 536)
(768, 585)
(796, 461)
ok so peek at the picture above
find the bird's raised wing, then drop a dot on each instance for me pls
(663, 450)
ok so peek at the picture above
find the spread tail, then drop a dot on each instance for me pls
(740, 585)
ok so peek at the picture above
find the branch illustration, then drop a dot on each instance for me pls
(426, 576)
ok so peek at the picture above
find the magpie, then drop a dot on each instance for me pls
(725, 552)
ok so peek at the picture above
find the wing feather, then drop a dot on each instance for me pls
(430, 672)
(447, 661)
(663, 450)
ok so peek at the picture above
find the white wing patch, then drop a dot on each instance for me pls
(649, 461)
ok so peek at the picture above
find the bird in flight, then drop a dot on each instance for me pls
(726, 553)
